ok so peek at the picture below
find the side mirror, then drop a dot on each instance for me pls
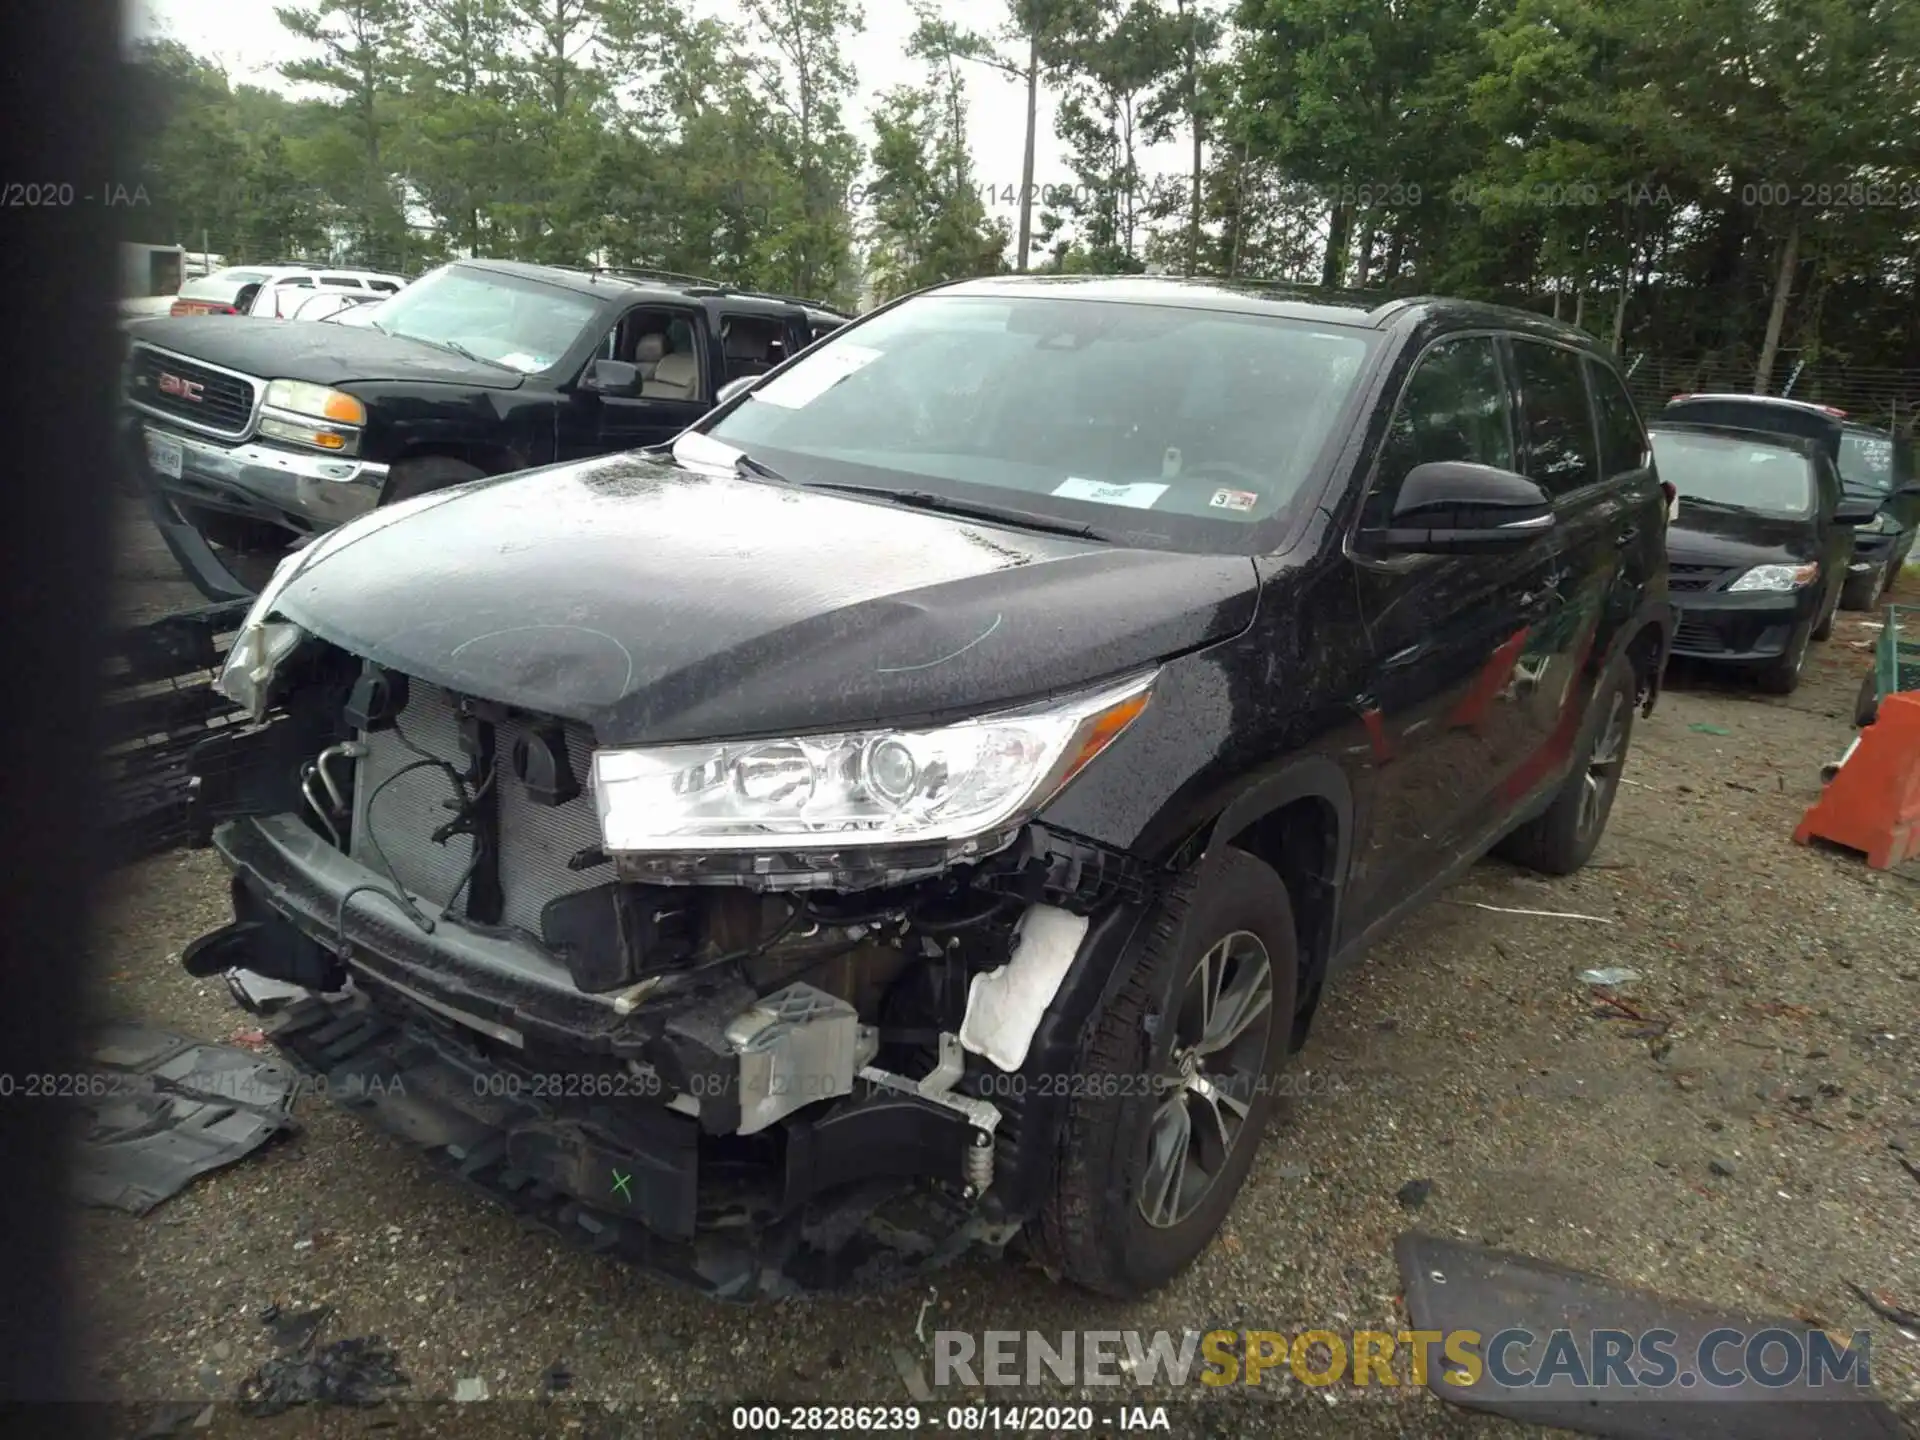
(1454, 507)
(736, 387)
(1855, 512)
(611, 377)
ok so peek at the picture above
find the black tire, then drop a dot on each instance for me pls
(1782, 676)
(1863, 592)
(1095, 1228)
(1866, 705)
(1824, 630)
(1562, 838)
(425, 475)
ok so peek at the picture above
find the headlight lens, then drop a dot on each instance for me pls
(247, 677)
(300, 398)
(1777, 577)
(860, 788)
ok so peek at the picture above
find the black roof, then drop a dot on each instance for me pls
(1364, 309)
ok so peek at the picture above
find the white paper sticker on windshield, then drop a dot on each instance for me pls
(1134, 497)
(819, 374)
(702, 452)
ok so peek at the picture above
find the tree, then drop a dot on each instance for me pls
(459, 117)
(362, 45)
(806, 76)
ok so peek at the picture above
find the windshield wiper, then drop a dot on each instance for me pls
(972, 509)
(747, 465)
(455, 346)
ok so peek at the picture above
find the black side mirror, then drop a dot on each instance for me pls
(1855, 512)
(1454, 507)
(611, 377)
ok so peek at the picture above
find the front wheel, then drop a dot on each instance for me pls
(425, 475)
(1782, 676)
(1562, 838)
(1863, 592)
(1175, 1085)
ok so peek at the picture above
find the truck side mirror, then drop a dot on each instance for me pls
(1454, 507)
(611, 377)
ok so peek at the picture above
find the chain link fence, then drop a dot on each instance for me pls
(1883, 397)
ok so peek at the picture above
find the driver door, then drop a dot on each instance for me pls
(667, 346)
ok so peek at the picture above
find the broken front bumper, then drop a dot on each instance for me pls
(640, 1125)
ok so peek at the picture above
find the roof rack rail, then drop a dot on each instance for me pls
(642, 272)
(775, 295)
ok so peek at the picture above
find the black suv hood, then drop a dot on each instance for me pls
(1706, 535)
(320, 354)
(656, 604)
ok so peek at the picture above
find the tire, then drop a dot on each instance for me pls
(1111, 1224)
(425, 475)
(1866, 705)
(1824, 630)
(1863, 592)
(1782, 676)
(1562, 838)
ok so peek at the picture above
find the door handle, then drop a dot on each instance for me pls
(1626, 537)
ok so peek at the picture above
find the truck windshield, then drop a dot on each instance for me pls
(1163, 422)
(520, 324)
(1743, 474)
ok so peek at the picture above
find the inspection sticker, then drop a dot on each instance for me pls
(1234, 500)
(1134, 497)
(816, 375)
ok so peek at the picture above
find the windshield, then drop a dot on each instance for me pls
(1866, 460)
(1759, 477)
(520, 324)
(1164, 423)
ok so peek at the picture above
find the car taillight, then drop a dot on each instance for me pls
(1683, 395)
(1834, 411)
(200, 307)
(1671, 491)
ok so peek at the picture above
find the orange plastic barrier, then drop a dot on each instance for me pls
(1873, 804)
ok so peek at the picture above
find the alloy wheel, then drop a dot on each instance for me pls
(1222, 1026)
(1604, 764)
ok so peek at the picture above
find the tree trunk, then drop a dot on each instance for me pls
(1777, 315)
(1367, 238)
(1620, 306)
(1199, 142)
(1333, 269)
(1556, 304)
(1026, 161)
(1396, 244)
(1239, 222)
(1579, 306)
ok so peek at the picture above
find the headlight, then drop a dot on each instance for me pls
(1777, 577)
(299, 398)
(312, 415)
(960, 785)
(247, 677)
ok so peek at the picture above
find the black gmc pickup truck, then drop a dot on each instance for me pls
(253, 436)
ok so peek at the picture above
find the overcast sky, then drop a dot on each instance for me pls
(246, 37)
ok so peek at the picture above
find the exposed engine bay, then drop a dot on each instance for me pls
(755, 1076)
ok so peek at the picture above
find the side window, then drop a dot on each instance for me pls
(754, 344)
(1559, 426)
(1454, 407)
(1623, 441)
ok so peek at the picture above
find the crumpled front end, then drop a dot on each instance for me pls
(755, 1073)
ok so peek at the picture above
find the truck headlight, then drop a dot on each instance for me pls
(312, 415)
(1777, 578)
(262, 644)
(959, 783)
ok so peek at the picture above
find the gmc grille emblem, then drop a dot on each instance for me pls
(176, 385)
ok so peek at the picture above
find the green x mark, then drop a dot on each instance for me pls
(620, 1183)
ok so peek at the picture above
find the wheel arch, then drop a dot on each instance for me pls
(1300, 822)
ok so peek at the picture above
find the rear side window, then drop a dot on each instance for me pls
(346, 281)
(1453, 408)
(386, 287)
(1623, 440)
(1558, 425)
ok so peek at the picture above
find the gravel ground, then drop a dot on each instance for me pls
(1748, 1157)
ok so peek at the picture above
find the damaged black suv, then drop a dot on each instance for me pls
(923, 804)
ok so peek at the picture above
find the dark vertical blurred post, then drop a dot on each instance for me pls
(59, 289)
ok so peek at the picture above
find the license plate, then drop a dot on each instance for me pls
(164, 455)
